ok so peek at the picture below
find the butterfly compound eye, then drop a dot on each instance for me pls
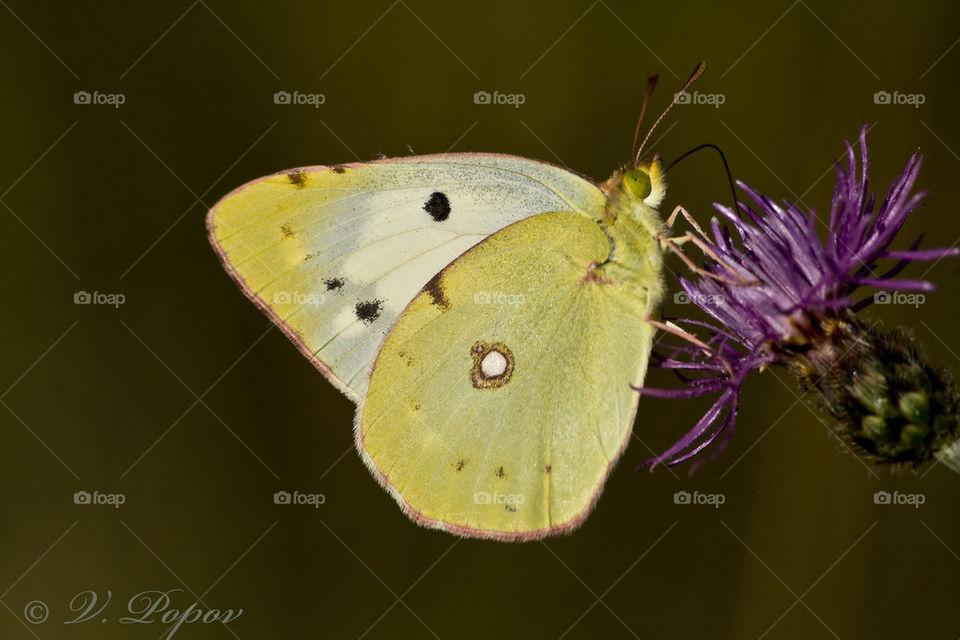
(637, 183)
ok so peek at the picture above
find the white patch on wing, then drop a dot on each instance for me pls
(493, 364)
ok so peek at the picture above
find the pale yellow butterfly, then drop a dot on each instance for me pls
(485, 312)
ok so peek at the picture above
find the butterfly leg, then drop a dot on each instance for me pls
(670, 327)
(679, 210)
(673, 329)
(674, 245)
(703, 243)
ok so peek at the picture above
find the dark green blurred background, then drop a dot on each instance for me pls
(186, 401)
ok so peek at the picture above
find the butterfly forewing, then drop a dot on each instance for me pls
(334, 254)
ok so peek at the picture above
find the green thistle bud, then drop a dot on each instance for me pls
(887, 400)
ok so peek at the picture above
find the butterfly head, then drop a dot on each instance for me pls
(645, 182)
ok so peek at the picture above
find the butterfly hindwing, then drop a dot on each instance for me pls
(502, 397)
(334, 254)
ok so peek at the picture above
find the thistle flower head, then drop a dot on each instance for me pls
(795, 305)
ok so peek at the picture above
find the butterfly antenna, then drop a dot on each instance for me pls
(697, 72)
(726, 167)
(651, 83)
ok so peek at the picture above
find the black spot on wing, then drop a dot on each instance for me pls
(461, 463)
(369, 310)
(297, 179)
(334, 284)
(501, 473)
(438, 206)
(338, 169)
(287, 231)
(435, 289)
(548, 468)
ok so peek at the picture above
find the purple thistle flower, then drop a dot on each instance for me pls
(795, 307)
